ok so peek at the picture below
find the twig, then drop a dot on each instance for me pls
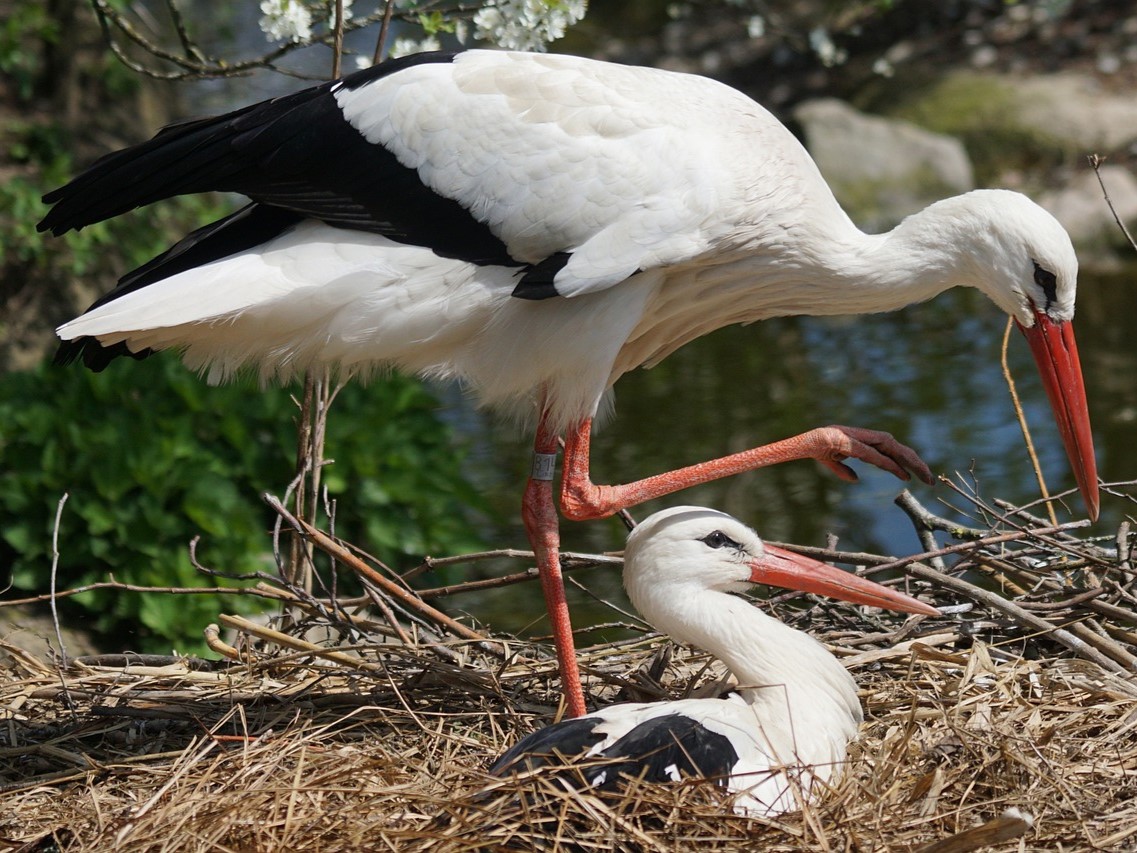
(1079, 646)
(298, 571)
(569, 559)
(213, 639)
(389, 615)
(1022, 422)
(1020, 583)
(240, 623)
(256, 592)
(54, 572)
(1095, 162)
(1090, 632)
(924, 522)
(1023, 513)
(384, 29)
(578, 561)
(397, 592)
(1122, 540)
(1040, 534)
(337, 40)
(964, 547)
(190, 66)
(907, 502)
(852, 558)
(191, 62)
(1011, 824)
(188, 44)
(626, 517)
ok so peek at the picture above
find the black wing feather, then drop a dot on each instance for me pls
(297, 153)
(653, 747)
(551, 745)
(648, 751)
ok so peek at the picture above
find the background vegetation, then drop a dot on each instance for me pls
(150, 455)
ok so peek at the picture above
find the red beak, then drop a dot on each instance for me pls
(1056, 354)
(794, 571)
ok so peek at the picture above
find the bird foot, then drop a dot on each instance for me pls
(836, 443)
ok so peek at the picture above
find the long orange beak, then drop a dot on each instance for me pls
(794, 571)
(1056, 354)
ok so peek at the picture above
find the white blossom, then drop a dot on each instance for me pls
(404, 46)
(526, 24)
(756, 26)
(285, 20)
(331, 7)
(883, 67)
(826, 50)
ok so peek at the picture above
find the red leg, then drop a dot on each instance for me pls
(582, 500)
(538, 510)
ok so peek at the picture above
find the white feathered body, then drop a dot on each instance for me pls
(681, 191)
(679, 205)
(789, 727)
(774, 743)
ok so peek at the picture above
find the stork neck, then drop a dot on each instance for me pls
(818, 267)
(790, 678)
(857, 273)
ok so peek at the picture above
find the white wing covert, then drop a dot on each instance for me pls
(556, 157)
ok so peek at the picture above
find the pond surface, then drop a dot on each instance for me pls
(930, 374)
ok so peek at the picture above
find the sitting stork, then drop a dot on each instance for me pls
(774, 742)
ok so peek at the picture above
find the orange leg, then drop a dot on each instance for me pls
(539, 513)
(581, 499)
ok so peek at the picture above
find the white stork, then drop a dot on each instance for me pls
(534, 226)
(781, 736)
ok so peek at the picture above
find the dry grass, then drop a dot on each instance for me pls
(385, 747)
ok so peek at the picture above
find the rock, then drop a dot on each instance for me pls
(881, 170)
(33, 631)
(1082, 209)
(1078, 110)
(1027, 122)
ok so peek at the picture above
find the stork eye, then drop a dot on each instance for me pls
(1045, 279)
(718, 539)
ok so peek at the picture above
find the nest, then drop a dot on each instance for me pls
(1009, 723)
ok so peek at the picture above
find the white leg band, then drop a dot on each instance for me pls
(544, 464)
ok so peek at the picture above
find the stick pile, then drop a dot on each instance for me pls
(1009, 721)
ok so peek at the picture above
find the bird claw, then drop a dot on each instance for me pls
(874, 447)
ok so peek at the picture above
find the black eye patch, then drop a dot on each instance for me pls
(718, 539)
(1045, 279)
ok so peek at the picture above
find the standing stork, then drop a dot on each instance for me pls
(775, 741)
(535, 226)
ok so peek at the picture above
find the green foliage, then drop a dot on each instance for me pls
(22, 28)
(40, 154)
(151, 456)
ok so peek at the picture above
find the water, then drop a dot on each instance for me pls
(930, 374)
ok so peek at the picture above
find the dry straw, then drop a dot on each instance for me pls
(1010, 723)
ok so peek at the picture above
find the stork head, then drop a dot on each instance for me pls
(686, 550)
(1022, 258)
